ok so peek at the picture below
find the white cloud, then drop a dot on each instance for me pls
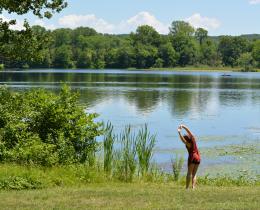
(125, 26)
(73, 21)
(144, 18)
(198, 21)
(254, 1)
(18, 26)
(43, 24)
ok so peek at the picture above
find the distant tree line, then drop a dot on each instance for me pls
(83, 47)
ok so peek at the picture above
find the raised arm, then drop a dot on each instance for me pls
(188, 130)
(182, 138)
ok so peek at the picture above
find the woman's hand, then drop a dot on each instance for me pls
(179, 128)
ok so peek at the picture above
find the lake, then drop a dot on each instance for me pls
(223, 111)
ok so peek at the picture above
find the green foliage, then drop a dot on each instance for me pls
(145, 145)
(2, 66)
(168, 55)
(145, 48)
(39, 127)
(27, 44)
(201, 35)
(231, 48)
(177, 165)
(246, 61)
(181, 28)
(109, 139)
(128, 153)
(256, 52)
(63, 57)
(146, 35)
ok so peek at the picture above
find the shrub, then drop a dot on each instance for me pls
(41, 127)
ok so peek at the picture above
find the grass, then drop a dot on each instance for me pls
(133, 196)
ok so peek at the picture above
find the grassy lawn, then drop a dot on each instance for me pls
(133, 196)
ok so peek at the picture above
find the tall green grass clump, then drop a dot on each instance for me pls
(108, 145)
(177, 165)
(126, 155)
(145, 145)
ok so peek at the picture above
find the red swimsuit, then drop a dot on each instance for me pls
(194, 155)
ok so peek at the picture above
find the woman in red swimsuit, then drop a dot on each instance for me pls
(194, 155)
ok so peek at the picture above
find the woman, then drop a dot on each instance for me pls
(194, 155)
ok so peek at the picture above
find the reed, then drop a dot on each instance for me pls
(145, 143)
(177, 165)
(108, 142)
(127, 154)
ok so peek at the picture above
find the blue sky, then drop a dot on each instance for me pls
(232, 17)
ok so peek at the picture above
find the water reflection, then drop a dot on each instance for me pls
(182, 92)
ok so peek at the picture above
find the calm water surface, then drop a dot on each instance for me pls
(223, 112)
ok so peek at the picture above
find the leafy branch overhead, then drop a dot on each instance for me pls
(25, 41)
(40, 8)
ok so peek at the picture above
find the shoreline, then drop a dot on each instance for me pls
(174, 69)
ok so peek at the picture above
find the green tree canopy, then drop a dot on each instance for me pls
(181, 28)
(24, 44)
(146, 35)
(201, 35)
(256, 52)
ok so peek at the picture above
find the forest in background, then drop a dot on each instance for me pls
(145, 48)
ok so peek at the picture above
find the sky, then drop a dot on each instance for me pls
(219, 17)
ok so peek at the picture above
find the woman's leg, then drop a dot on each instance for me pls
(194, 178)
(189, 174)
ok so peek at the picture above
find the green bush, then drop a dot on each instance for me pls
(41, 127)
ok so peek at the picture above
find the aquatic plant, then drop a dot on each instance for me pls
(108, 142)
(144, 147)
(177, 165)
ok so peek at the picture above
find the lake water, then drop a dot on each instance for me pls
(222, 111)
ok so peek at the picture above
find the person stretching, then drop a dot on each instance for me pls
(194, 155)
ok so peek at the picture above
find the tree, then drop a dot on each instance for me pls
(81, 32)
(145, 35)
(181, 28)
(201, 35)
(168, 55)
(63, 57)
(125, 57)
(145, 56)
(84, 59)
(208, 53)
(231, 48)
(62, 36)
(187, 48)
(256, 52)
(246, 61)
(24, 42)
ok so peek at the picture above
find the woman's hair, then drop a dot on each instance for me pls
(187, 138)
